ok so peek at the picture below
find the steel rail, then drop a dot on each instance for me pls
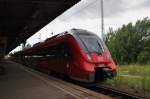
(115, 93)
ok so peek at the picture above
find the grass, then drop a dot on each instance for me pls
(135, 77)
(137, 70)
(132, 83)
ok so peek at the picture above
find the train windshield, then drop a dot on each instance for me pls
(91, 43)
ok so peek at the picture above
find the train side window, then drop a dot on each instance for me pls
(59, 51)
(51, 52)
(66, 51)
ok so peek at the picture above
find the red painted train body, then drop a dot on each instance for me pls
(78, 53)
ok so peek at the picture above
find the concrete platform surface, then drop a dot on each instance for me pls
(20, 82)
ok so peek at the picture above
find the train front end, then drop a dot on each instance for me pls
(96, 59)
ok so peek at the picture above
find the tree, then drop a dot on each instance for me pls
(130, 43)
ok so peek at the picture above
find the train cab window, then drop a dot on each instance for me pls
(90, 42)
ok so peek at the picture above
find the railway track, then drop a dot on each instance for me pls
(108, 91)
(114, 93)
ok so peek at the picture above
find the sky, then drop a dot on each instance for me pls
(87, 15)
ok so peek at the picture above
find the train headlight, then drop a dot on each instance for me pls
(89, 57)
(108, 56)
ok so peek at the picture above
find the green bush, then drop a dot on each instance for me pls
(143, 57)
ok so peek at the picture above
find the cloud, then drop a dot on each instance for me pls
(92, 9)
(145, 3)
(86, 15)
(89, 9)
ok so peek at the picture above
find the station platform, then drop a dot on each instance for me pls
(20, 82)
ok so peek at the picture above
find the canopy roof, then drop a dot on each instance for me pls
(19, 19)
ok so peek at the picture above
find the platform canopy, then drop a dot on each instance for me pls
(19, 19)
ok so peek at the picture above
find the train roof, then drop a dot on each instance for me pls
(74, 32)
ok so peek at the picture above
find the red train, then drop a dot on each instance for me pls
(77, 53)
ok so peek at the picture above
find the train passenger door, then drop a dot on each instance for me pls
(66, 56)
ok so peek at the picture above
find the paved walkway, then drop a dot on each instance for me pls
(21, 83)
